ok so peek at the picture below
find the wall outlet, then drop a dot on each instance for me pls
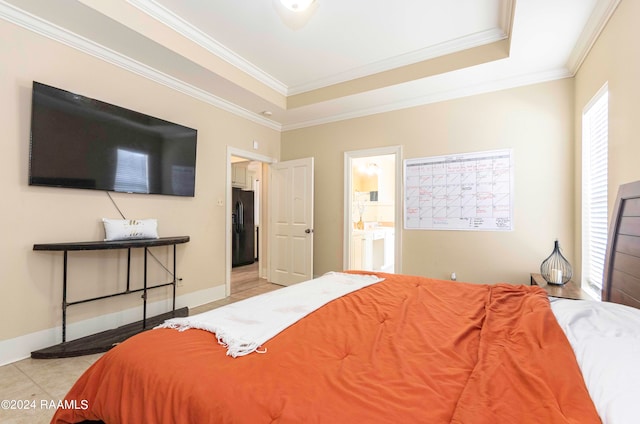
(220, 202)
(453, 276)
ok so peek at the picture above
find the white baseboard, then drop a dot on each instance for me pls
(18, 348)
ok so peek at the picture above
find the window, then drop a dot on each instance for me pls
(132, 172)
(594, 191)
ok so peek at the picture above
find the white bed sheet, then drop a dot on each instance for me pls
(606, 340)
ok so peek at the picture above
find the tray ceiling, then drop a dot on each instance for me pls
(340, 60)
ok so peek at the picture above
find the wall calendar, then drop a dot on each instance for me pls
(471, 191)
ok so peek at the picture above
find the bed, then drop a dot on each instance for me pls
(406, 349)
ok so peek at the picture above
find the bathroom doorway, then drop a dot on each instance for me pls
(373, 197)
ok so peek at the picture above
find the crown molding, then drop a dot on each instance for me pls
(47, 29)
(469, 90)
(175, 22)
(505, 18)
(505, 23)
(595, 25)
(54, 32)
(447, 47)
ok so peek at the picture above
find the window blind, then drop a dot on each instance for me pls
(595, 125)
(132, 172)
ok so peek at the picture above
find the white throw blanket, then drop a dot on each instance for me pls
(244, 326)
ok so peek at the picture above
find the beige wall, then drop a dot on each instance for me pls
(541, 123)
(614, 59)
(31, 282)
(535, 121)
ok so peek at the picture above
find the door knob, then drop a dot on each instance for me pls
(308, 230)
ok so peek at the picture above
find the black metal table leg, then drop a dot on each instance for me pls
(128, 270)
(64, 299)
(144, 295)
(174, 278)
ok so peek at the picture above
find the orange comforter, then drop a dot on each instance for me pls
(406, 350)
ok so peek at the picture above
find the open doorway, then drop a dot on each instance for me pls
(246, 229)
(246, 179)
(373, 209)
(285, 204)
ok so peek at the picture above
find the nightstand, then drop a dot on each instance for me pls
(568, 290)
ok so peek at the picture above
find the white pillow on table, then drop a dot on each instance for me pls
(130, 229)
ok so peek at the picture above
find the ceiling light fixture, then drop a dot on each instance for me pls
(297, 5)
(370, 169)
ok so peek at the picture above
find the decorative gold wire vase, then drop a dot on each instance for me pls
(556, 269)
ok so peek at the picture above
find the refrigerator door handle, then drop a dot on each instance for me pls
(240, 214)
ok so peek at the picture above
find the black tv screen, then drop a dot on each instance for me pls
(79, 142)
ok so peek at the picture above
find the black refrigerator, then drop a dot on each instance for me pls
(243, 228)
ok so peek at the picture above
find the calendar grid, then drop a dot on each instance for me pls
(471, 191)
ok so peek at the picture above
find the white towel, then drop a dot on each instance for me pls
(244, 326)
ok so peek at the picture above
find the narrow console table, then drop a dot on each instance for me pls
(78, 347)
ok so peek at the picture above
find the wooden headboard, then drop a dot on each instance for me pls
(621, 283)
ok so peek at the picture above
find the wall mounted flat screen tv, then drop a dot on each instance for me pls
(79, 142)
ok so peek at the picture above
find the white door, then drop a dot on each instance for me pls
(291, 221)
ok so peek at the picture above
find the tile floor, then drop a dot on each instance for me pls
(37, 384)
